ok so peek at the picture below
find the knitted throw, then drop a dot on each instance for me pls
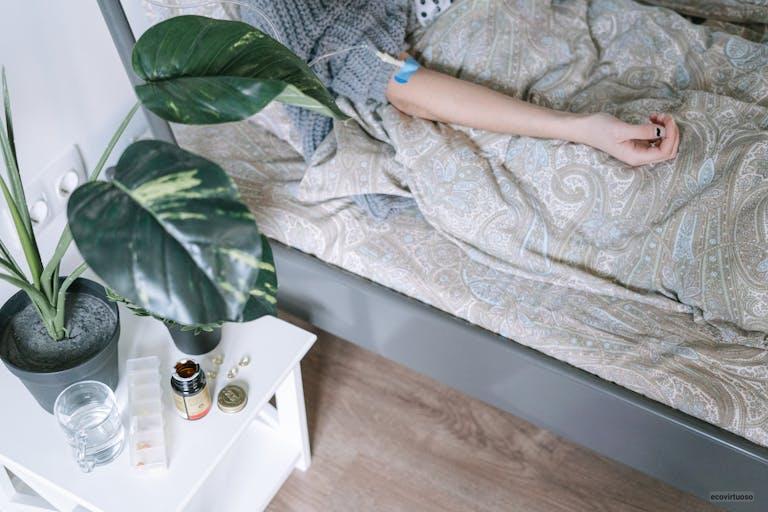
(313, 28)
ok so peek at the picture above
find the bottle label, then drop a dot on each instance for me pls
(193, 407)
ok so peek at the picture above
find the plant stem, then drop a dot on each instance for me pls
(59, 320)
(47, 319)
(51, 271)
(33, 293)
(50, 277)
(112, 142)
(44, 308)
(11, 267)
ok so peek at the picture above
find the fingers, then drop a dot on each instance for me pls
(669, 145)
(677, 143)
(642, 152)
(649, 131)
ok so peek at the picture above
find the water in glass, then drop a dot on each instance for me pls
(88, 414)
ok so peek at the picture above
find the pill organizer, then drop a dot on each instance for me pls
(147, 428)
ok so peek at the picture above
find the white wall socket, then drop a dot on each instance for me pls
(56, 183)
(47, 191)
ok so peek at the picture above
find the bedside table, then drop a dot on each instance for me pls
(227, 462)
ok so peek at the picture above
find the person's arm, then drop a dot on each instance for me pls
(439, 97)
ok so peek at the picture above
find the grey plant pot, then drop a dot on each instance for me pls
(195, 344)
(46, 386)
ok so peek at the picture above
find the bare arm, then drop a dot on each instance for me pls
(439, 97)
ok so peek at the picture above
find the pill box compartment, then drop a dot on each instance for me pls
(147, 429)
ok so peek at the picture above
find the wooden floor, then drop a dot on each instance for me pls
(386, 438)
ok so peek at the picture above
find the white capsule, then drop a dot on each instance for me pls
(232, 373)
(244, 361)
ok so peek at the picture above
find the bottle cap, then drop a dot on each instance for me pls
(232, 399)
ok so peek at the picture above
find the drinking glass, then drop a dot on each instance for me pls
(87, 412)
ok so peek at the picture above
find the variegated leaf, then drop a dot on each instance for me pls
(170, 234)
(263, 295)
(200, 70)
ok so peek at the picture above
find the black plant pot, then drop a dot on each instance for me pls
(195, 344)
(100, 364)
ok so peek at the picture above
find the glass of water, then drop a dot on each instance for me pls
(87, 412)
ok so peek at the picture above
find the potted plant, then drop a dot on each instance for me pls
(191, 339)
(201, 338)
(168, 232)
(55, 330)
(197, 70)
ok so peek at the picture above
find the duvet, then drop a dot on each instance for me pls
(686, 235)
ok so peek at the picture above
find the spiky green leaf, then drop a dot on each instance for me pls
(8, 141)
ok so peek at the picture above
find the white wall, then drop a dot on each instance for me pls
(67, 87)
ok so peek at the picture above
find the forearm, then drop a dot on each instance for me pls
(439, 97)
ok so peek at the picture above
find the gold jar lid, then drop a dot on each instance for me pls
(232, 398)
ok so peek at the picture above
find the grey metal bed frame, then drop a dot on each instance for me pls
(623, 425)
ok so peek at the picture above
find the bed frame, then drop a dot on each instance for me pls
(665, 443)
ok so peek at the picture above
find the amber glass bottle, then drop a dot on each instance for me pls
(190, 390)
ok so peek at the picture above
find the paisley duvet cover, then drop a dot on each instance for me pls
(651, 278)
(689, 235)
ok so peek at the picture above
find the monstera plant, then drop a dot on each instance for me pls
(200, 70)
(168, 234)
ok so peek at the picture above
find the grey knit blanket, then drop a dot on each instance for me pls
(315, 28)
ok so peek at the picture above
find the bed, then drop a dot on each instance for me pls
(665, 356)
(647, 384)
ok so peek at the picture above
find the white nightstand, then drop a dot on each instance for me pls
(223, 462)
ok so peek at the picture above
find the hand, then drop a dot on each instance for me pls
(635, 144)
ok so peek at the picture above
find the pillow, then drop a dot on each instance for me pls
(754, 11)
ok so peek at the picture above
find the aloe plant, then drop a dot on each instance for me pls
(169, 233)
(42, 283)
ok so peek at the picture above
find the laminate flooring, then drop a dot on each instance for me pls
(385, 438)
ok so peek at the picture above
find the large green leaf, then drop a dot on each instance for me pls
(201, 70)
(170, 234)
(263, 299)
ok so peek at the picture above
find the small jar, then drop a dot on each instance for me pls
(190, 390)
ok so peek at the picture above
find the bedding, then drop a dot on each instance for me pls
(319, 29)
(728, 10)
(652, 278)
(688, 235)
(659, 353)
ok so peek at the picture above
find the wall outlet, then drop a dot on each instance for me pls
(47, 193)
(55, 184)
(48, 189)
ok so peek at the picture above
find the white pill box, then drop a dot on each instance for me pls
(146, 435)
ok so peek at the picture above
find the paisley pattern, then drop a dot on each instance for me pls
(729, 10)
(690, 235)
(671, 357)
(159, 10)
(551, 244)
